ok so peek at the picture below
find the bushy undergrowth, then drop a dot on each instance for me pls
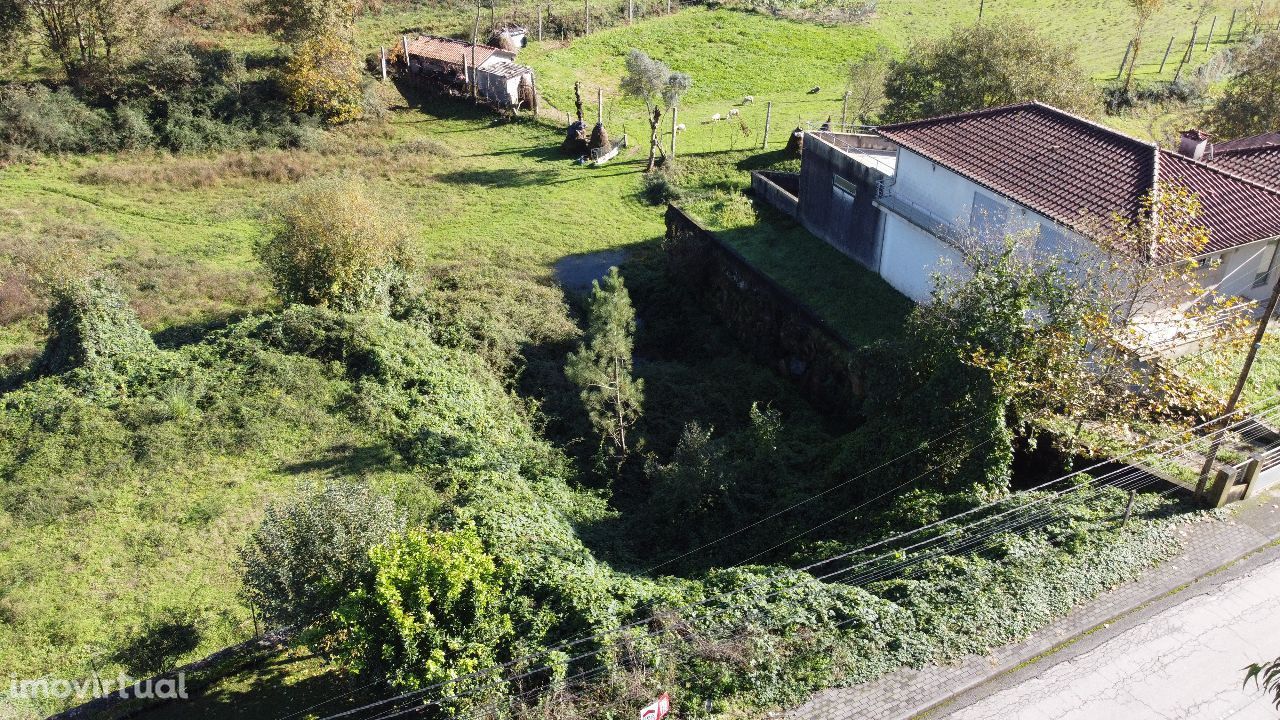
(473, 473)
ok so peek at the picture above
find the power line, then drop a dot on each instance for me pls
(418, 693)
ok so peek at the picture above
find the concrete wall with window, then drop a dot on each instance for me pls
(837, 195)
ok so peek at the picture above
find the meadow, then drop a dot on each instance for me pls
(473, 195)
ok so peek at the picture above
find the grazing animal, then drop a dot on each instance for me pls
(716, 118)
(816, 89)
(733, 112)
(748, 100)
(680, 127)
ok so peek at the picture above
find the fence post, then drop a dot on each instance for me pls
(404, 41)
(668, 7)
(844, 113)
(1128, 508)
(1212, 26)
(1186, 56)
(539, 22)
(1166, 55)
(586, 14)
(1124, 60)
(768, 116)
(631, 11)
(384, 63)
(599, 106)
(675, 114)
(1231, 25)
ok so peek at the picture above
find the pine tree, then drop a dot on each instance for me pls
(602, 366)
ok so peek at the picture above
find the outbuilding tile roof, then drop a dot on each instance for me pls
(454, 52)
(1080, 173)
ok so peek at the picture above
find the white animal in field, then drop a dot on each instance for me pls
(733, 112)
(716, 118)
(680, 127)
(748, 100)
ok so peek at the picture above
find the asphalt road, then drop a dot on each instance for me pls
(1181, 659)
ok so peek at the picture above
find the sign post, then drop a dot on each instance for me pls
(658, 709)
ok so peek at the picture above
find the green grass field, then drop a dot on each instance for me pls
(180, 232)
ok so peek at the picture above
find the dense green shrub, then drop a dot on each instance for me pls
(437, 608)
(308, 554)
(91, 326)
(35, 118)
(331, 245)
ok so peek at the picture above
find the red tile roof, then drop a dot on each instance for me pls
(1080, 173)
(1257, 158)
(450, 51)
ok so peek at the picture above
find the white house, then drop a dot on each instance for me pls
(1029, 165)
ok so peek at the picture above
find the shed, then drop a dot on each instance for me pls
(456, 63)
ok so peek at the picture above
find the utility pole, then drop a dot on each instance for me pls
(1216, 445)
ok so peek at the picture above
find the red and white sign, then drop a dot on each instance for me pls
(658, 709)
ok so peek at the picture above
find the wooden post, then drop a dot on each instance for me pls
(384, 63)
(404, 41)
(1209, 39)
(631, 11)
(1230, 409)
(539, 22)
(533, 88)
(599, 106)
(1128, 508)
(768, 116)
(668, 7)
(586, 14)
(844, 113)
(675, 113)
(475, 31)
(1186, 56)
(1231, 25)
(1166, 55)
(466, 70)
(1125, 60)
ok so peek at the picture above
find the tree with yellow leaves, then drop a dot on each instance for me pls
(322, 78)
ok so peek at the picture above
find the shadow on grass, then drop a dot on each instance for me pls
(347, 461)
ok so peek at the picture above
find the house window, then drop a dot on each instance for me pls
(1052, 242)
(1266, 263)
(844, 187)
(988, 216)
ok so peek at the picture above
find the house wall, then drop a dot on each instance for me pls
(941, 204)
(851, 225)
(912, 256)
(1238, 268)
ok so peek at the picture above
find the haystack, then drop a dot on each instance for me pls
(795, 144)
(599, 139)
(575, 139)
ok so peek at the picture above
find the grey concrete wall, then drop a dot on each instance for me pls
(772, 325)
(851, 228)
(767, 188)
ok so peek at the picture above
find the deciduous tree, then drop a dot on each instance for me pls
(1250, 105)
(90, 38)
(602, 366)
(658, 87)
(865, 83)
(985, 65)
(322, 78)
(1143, 10)
(295, 21)
(331, 245)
